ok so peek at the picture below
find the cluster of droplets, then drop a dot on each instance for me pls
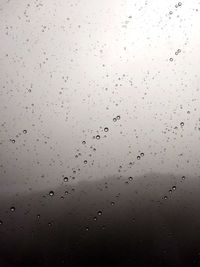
(139, 156)
(117, 118)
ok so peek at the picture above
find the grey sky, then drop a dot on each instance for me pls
(69, 67)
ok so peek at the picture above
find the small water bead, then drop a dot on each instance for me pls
(165, 197)
(182, 124)
(179, 4)
(13, 141)
(112, 203)
(170, 12)
(38, 216)
(106, 129)
(66, 192)
(85, 161)
(174, 187)
(25, 131)
(51, 193)
(114, 119)
(1, 222)
(99, 212)
(142, 154)
(130, 178)
(171, 59)
(12, 209)
(97, 137)
(87, 228)
(183, 177)
(84, 142)
(95, 218)
(138, 157)
(170, 191)
(118, 117)
(65, 179)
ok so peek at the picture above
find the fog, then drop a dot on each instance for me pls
(68, 68)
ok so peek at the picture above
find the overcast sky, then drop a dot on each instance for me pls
(123, 76)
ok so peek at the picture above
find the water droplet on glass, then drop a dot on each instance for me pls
(106, 129)
(118, 117)
(97, 137)
(65, 179)
(182, 124)
(138, 157)
(171, 59)
(83, 142)
(51, 193)
(85, 161)
(25, 131)
(114, 119)
(130, 178)
(95, 218)
(12, 209)
(174, 188)
(142, 154)
(99, 212)
(1, 222)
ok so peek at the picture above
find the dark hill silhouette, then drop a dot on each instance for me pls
(116, 221)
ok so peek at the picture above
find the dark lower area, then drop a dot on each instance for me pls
(105, 223)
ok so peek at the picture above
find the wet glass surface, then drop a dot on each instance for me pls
(100, 133)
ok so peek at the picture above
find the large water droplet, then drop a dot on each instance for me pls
(99, 212)
(65, 179)
(51, 193)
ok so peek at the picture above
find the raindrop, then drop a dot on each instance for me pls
(138, 157)
(114, 119)
(174, 188)
(25, 131)
(83, 142)
(179, 3)
(112, 203)
(182, 124)
(51, 193)
(165, 197)
(95, 218)
(183, 177)
(99, 212)
(118, 117)
(130, 178)
(171, 59)
(106, 129)
(97, 137)
(12, 209)
(65, 179)
(85, 161)
(142, 154)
